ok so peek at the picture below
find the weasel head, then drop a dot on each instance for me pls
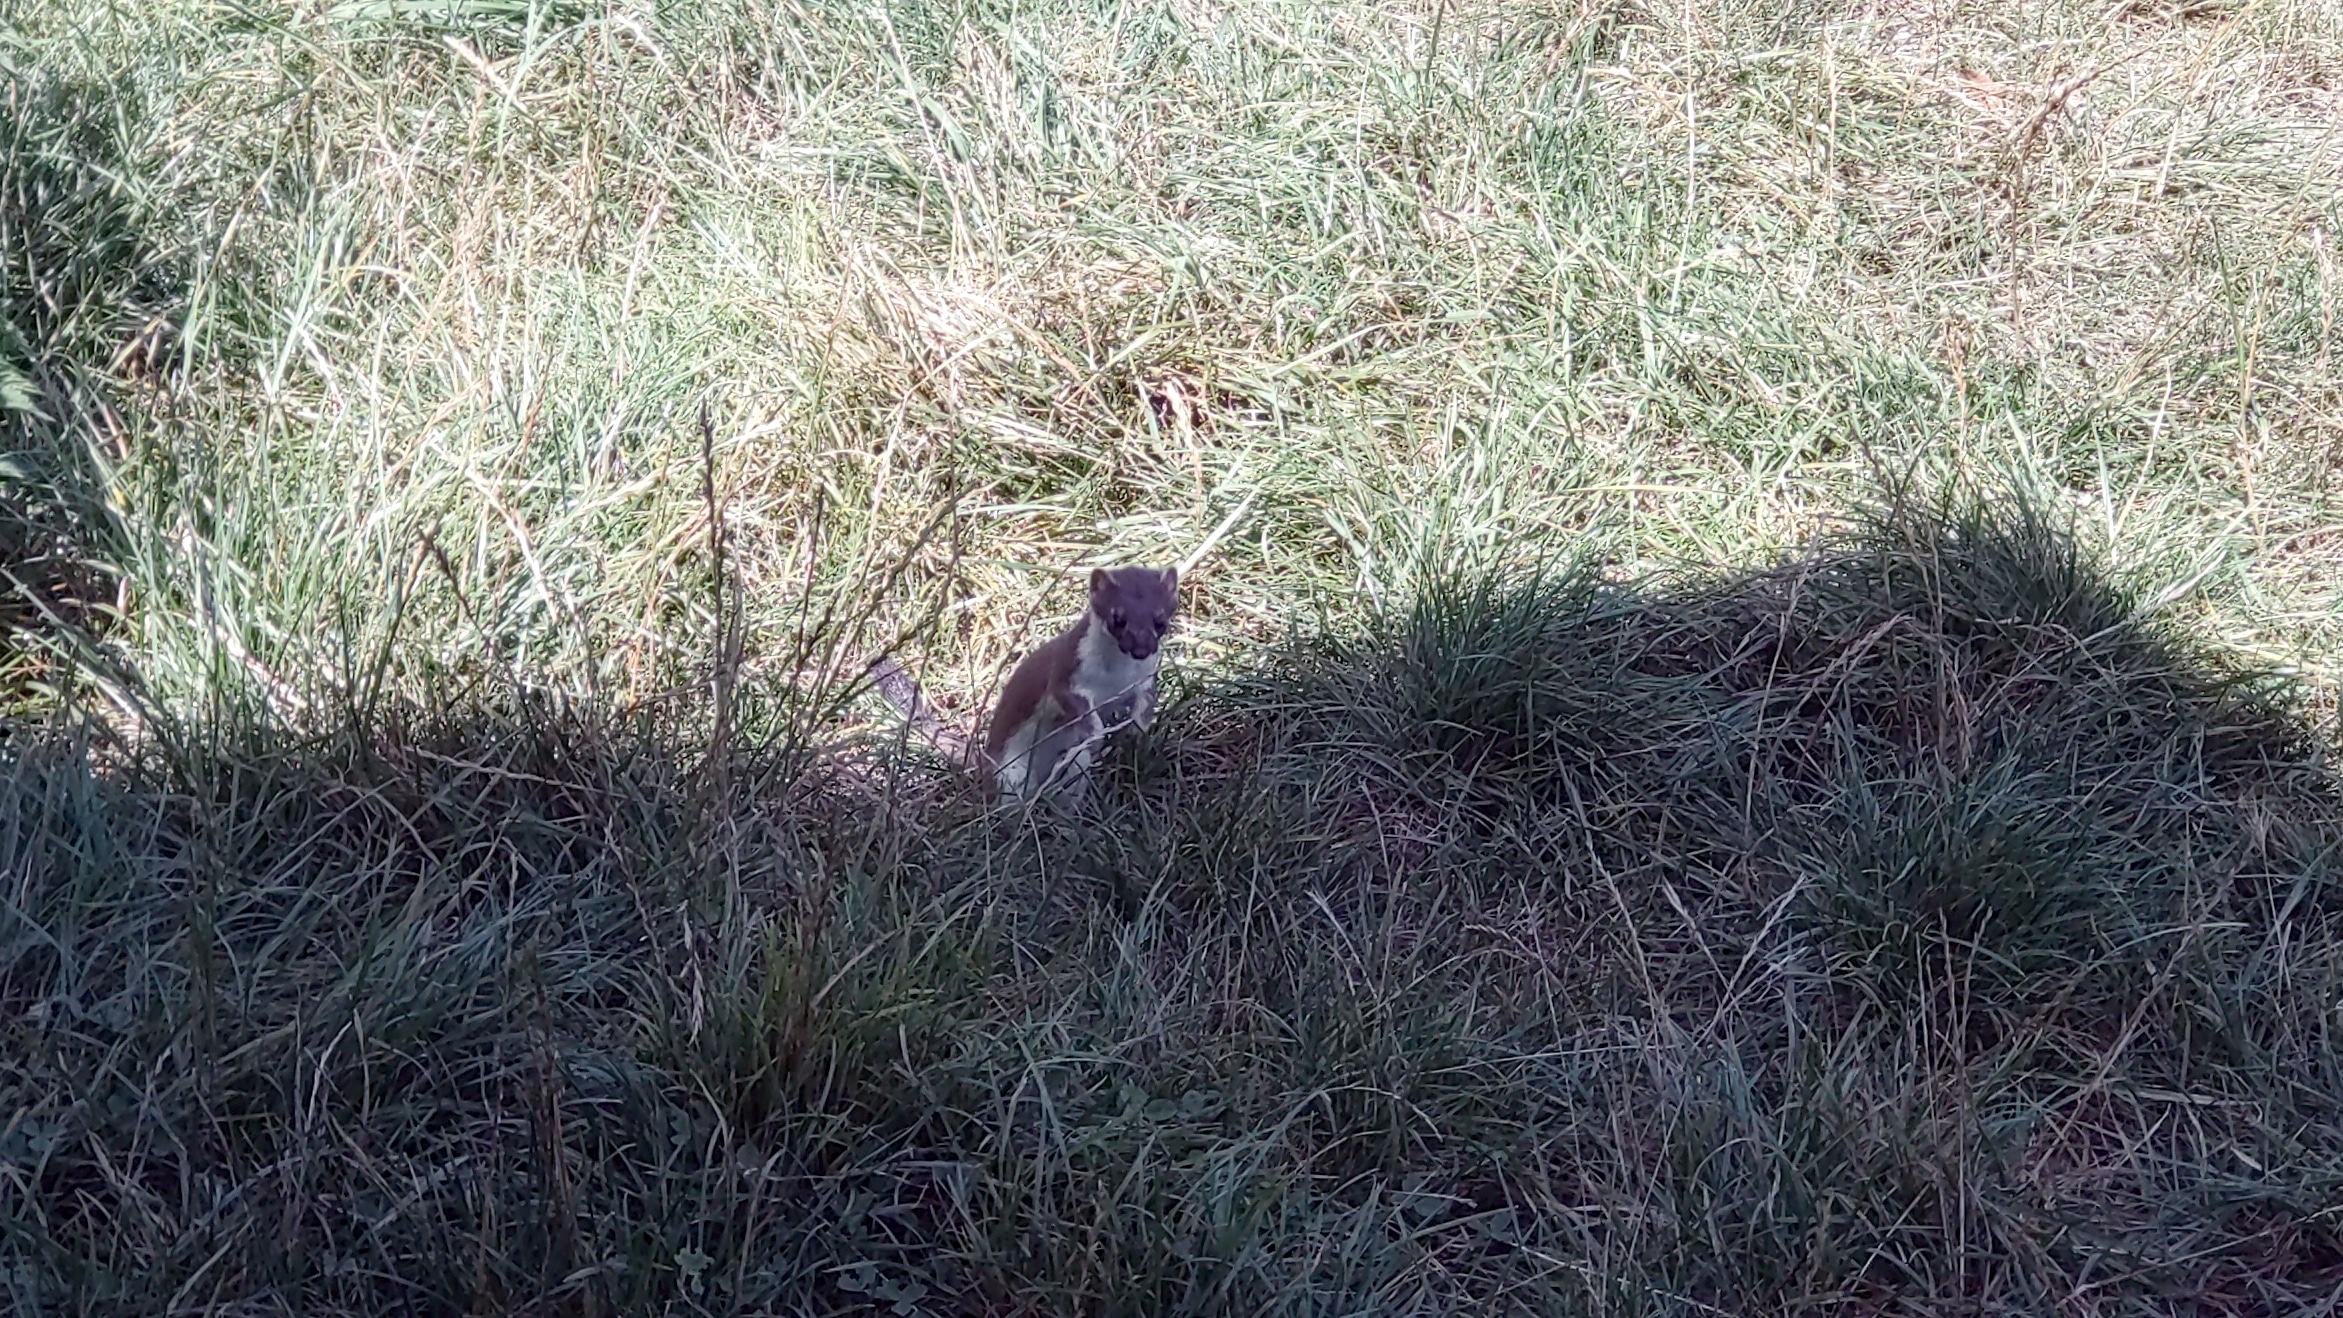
(1135, 605)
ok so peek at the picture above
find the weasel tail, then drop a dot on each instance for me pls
(902, 691)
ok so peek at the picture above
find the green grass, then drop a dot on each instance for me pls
(1751, 731)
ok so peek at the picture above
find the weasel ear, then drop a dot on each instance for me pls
(1171, 581)
(1100, 582)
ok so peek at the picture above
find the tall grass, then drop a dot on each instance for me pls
(1751, 729)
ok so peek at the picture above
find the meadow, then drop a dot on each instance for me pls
(1752, 731)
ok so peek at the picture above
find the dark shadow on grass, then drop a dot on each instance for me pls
(1913, 920)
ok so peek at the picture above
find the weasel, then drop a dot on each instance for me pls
(1086, 682)
(1082, 685)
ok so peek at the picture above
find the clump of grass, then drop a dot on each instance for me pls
(91, 292)
(91, 289)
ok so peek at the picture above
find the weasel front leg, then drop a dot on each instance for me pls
(1071, 790)
(1065, 764)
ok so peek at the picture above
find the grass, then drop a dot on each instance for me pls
(1751, 731)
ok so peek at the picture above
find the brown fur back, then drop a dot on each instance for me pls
(1040, 676)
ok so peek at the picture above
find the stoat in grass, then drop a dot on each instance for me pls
(1085, 683)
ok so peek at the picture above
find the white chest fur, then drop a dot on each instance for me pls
(1120, 689)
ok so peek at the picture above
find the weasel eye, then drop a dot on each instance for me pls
(1160, 620)
(1116, 620)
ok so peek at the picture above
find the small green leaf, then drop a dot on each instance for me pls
(17, 393)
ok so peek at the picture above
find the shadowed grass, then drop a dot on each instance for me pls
(1781, 941)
